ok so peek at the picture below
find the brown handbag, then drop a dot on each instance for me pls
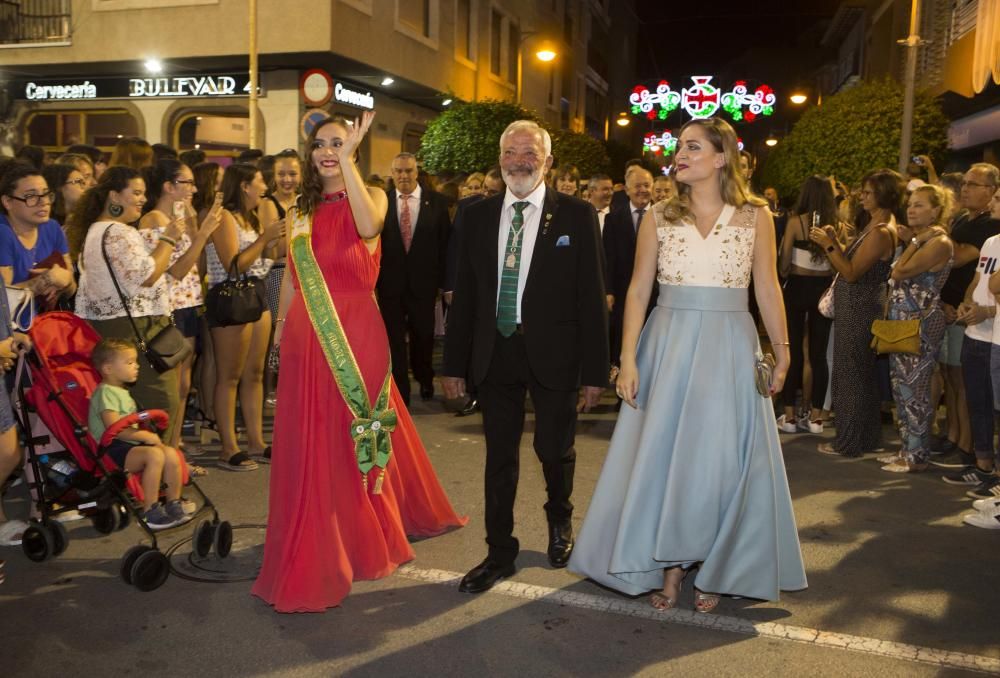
(895, 336)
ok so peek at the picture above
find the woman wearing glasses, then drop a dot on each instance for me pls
(33, 250)
(170, 184)
(68, 183)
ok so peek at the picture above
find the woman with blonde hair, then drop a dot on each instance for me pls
(694, 477)
(132, 152)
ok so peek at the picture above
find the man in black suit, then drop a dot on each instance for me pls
(414, 251)
(528, 317)
(620, 229)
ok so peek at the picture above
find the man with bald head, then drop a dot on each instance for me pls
(620, 230)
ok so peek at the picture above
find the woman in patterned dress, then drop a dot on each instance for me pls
(858, 295)
(694, 477)
(915, 292)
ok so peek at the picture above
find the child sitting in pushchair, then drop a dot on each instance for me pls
(135, 450)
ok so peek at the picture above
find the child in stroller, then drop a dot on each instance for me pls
(135, 450)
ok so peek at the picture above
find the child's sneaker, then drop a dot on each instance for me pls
(175, 511)
(158, 519)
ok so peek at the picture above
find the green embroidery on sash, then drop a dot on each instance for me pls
(372, 425)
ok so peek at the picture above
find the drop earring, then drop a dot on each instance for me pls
(115, 210)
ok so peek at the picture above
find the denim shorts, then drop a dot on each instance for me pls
(995, 374)
(951, 346)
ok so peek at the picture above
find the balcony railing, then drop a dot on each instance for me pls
(963, 18)
(34, 22)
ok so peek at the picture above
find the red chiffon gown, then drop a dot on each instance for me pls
(323, 529)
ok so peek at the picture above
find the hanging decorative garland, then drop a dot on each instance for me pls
(703, 100)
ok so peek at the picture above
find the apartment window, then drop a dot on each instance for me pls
(963, 18)
(514, 44)
(30, 22)
(415, 15)
(496, 44)
(465, 30)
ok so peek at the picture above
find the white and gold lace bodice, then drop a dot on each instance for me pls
(723, 259)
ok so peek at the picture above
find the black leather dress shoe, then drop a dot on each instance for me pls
(470, 407)
(427, 392)
(484, 575)
(560, 544)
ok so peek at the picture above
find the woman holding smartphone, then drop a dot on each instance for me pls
(170, 189)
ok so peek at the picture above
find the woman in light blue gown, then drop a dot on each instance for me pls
(694, 477)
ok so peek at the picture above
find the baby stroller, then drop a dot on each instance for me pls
(82, 477)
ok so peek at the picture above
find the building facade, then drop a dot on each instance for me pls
(78, 70)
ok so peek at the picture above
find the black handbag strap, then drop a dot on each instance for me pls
(111, 271)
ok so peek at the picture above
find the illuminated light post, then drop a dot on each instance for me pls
(545, 53)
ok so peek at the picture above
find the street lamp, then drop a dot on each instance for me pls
(798, 98)
(771, 141)
(623, 120)
(546, 53)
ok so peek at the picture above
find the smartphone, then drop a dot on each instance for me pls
(815, 219)
(917, 160)
(180, 209)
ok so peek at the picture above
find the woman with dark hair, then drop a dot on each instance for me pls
(862, 272)
(97, 159)
(192, 157)
(103, 220)
(807, 275)
(83, 165)
(170, 187)
(32, 155)
(132, 152)
(240, 350)
(567, 180)
(33, 249)
(350, 478)
(68, 185)
(207, 182)
(694, 476)
(915, 294)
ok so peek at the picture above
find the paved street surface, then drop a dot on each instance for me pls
(898, 587)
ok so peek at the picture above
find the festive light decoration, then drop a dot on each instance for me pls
(663, 143)
(703, 100)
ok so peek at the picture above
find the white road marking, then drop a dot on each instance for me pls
(717, 622)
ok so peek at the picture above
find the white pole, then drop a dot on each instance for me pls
(253, 75)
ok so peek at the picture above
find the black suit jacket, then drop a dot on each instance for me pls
(563, 312)
(420, 271)
(619, 250)
(455, 241)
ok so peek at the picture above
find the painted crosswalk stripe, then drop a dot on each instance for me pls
(718, 622)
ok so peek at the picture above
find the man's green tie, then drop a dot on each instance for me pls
(507, 303)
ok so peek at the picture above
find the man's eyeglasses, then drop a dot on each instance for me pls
(971, 184)
(184, 181)
(34, 199)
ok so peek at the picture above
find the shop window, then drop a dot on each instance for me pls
(217, 135)
(56, 130)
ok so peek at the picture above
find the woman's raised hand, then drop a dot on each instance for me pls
(174, 229)
(275, 230)
(824, 237)
(355, 133)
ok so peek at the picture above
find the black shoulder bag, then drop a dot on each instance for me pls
(169, 348)
(236, 300)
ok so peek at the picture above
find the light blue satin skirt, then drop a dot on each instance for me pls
(695, 474)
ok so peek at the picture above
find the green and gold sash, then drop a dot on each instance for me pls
(372, 425)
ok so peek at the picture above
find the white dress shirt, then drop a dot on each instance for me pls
(634, 211)
(414, 200)
(532, 217)
(601, 213)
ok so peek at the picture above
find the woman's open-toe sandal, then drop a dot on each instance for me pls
(238, 462)
(265, 456)
(662, 602)
(706, 602)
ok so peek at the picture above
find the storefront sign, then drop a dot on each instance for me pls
(172, 87)
(346, 95)
(703, 100)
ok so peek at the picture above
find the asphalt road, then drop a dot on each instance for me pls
(898, 587)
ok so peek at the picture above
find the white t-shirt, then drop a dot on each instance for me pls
(989, 261)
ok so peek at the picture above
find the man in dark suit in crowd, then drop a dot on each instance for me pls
(492, 185)
(414, 251)
(528, 317)
(620, 229)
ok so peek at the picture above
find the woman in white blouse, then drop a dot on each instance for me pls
(105, 213)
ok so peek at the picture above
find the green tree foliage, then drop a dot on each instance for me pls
(853, 133)
(465, 138)
(576, 148)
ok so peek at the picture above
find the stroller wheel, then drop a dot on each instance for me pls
(204, 537)
(128, 561)
(106, 520)
(223, 541)
(38, 543)
(124, 517)
(150, 570)
(60, 539)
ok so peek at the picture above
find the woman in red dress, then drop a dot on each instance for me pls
(344, 493)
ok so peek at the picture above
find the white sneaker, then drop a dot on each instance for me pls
(988, 520)
(986, 505)
(786, 426)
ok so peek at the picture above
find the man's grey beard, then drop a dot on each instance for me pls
(520, 183)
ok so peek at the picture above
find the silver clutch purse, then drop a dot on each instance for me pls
(764, 373)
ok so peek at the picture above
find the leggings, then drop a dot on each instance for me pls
(802, 294)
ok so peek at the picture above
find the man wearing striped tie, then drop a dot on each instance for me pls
(528, 316)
